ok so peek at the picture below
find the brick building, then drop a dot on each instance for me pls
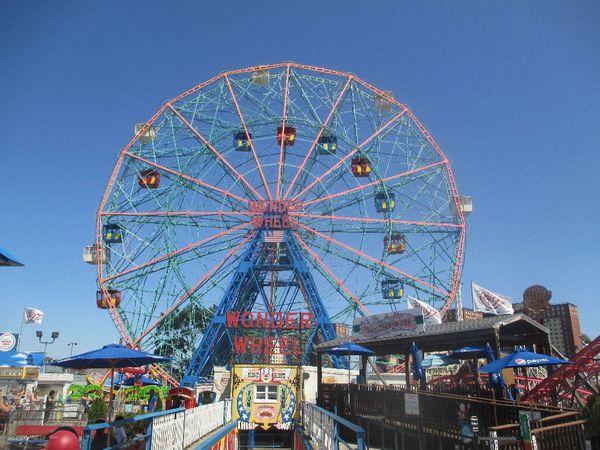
(565, 334)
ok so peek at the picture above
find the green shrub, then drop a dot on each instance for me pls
(98, 410)
(591, 413)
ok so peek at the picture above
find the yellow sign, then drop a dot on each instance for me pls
(265, 396)
(19, 373)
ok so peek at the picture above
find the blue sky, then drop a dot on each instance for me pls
(510, 91)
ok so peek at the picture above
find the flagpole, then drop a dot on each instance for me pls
(21, 330)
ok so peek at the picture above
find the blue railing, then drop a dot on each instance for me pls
(323, 428)
(209, 442)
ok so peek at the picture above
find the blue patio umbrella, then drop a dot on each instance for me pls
(140, 379)
(476, 352)
(522, 358)
(110, 356)
(418, 370)
(438, 361)
(6, 259)
(469, 352)
(349, 349)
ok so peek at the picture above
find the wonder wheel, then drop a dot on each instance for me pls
(281, 188)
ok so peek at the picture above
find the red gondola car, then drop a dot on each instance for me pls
(288, 136)
(149, 179)
(361, 167)
(395, 244)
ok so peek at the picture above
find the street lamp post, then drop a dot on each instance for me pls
(71, 344)
(40, 334)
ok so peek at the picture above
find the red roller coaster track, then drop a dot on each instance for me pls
(571, 382)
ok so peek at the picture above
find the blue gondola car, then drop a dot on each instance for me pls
(327, 144)
(112, 233)
(392, 288)
(385, 202)
(241, 141)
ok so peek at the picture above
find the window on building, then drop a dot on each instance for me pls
(266, 392)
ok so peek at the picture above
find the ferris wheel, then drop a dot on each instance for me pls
(285, 186)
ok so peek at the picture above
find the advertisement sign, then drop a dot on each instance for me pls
(282, 332)
(536, 301)
(8, 342)
(14, 373)
(10, 357)
(265, 396)
(21, 359)
(397, 322)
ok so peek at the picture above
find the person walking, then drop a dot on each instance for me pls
(152, 401)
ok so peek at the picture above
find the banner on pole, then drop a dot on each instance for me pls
(430, 314)
(489, 302)
(33, 315)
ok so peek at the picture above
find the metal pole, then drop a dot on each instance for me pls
(21, 330)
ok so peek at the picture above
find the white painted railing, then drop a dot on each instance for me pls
(204, 419)
(167, 431)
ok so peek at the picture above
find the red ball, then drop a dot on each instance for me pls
(63, 440)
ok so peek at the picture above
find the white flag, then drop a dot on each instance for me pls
(490, 303)
(33, 315)
(430, 314)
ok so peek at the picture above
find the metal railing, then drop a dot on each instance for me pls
(438, 417)
(324, 429)
(557, 432)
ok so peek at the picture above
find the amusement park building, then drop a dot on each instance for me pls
(562, 319)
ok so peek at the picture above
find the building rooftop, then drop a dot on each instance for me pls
(516, 329)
